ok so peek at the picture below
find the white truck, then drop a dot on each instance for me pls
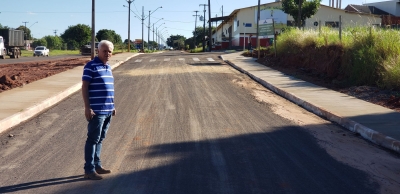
(41, 51)
(11, 42)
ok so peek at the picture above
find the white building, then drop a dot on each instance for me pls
(392, 6)
(230, 33)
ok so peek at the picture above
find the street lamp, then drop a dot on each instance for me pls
(148, 36)
(30, 28)
(158, 31)
(129, 24)
(161, 33)
(153, 26)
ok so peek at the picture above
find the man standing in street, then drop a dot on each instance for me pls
(98, 96)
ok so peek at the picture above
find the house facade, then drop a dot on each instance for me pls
(232, 33)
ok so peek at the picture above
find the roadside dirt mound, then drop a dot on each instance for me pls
(322, 67)
(19, 74)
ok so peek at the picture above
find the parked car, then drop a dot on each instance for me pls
(87, 49)
(41, 51)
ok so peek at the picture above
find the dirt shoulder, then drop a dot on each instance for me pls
(19, 74)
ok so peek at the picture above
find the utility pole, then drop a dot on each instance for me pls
(299, 16)
(216, 22)
(129, 24)
(222, 20)
(209, 27)
(26, 35)
(93, 36)
(142, 28)
(204, 27)
(153, 32)
(195, 26)
(258, 21)
(148, 34)
(55, 32)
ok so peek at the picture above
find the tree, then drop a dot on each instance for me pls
(110, 35)
(54, 42)
(153, 44)
(189, 42)
(304, 8)
(199, 34)
(176, 41)
(4, 27)
(76, 36)
(40, 42)
(27, 32)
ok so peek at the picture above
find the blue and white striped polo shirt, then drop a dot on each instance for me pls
(101, 87)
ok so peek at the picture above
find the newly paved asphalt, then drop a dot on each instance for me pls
(182, 126)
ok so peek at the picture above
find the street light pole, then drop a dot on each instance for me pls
(195, 26)
(148, 36)
(209, 26)
(153, 27)
(31, 30)
(142, 29)
(204, 27)
(129, 24)
(93, 27)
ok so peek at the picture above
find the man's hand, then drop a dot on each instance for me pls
(114, 112)
(89, 114)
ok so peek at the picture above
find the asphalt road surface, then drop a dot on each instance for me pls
(189, 123)
(8, 60)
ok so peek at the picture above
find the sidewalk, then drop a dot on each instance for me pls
(375, 123)
(19, 104)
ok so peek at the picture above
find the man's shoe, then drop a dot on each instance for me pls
(93, 176)
(101, 170)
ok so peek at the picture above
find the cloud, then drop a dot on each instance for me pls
(31, 13)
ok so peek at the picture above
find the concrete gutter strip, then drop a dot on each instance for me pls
(365, 132)
(29, 112)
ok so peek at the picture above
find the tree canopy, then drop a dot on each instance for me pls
(110, 35)
(176, 41)
(53, 42)
(199, 34)
(27, 32)
(76, 36)
(308, 9)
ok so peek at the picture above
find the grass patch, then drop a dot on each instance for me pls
(197, 50)
(369, 57)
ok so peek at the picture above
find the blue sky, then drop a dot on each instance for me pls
(57, 15)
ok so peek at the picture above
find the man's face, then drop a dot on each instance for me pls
(104, 53)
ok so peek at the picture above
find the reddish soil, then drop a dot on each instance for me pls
(19, 74)
(322, 68)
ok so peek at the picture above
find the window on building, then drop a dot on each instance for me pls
(332, 24)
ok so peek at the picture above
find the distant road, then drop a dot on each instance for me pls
(8, 60)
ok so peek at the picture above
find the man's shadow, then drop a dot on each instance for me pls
(42, 183)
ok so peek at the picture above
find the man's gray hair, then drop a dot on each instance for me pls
(108, 43)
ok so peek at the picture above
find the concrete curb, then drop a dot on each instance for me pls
(29, 112)
(367, 133)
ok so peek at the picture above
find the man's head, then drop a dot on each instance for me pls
(105, 50)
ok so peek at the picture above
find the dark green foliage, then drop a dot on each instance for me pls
(110, 35)
(308, 8)
(39, 42)
(53, 42)
(26, 31)
(76, 36)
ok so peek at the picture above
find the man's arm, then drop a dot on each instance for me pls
(85, 94)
